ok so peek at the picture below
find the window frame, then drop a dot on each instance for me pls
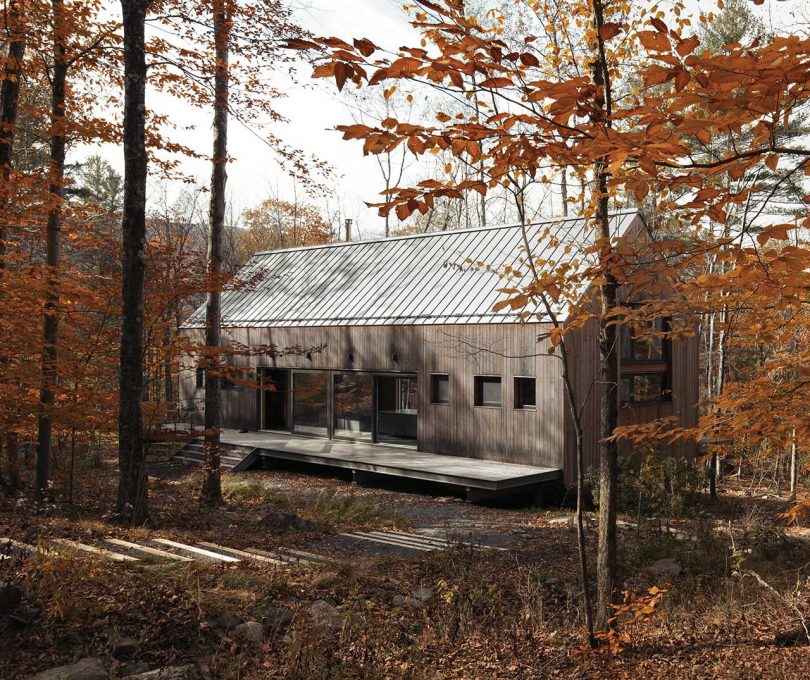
(631, 367)
(518, 391)
(434, 380)
(666, 388)
(666, 344)
(199, 378)
(478, 383)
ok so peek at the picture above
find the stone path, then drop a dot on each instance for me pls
(165, 550)
(410, 541)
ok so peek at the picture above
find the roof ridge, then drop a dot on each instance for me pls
(403, 237)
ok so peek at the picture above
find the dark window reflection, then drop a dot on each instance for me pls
(354, 405)
(310, 402)
(397, 405)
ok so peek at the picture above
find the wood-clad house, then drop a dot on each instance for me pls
(399, 347)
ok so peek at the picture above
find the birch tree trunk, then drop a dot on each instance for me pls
(132, 496)
(211, 492)
(53, 249)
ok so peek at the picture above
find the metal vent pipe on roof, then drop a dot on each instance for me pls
(348, 229)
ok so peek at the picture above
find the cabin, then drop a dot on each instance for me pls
(386, 357)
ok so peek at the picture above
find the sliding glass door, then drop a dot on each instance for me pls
(311, 402)
(275, 398)
(397, 407)
(356, 405)
(353, 405)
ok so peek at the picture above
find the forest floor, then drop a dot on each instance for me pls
(734, 577)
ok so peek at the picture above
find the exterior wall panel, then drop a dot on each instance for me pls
(532, 437)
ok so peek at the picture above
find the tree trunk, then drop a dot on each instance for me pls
(53, 239)
(211, 492)
(576, 419)
(606, 565)
(132, 496)
(564, 191)
(794, 466)
(13, 457)
(9, 101)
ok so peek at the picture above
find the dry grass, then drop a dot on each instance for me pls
(494, 614)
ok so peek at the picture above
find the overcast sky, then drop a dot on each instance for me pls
(313, 108)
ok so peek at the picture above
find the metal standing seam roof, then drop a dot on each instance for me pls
(405, 280)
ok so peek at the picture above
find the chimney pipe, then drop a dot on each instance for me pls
(348, 229)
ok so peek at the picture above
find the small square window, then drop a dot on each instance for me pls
(200, 377)
(439, 388)
(525, 393)
(488, 391)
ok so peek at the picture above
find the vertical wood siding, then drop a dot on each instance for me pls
(532, 437)
(584, 348)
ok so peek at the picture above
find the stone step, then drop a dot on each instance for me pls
(390, 540)
(24, 549)
(148, 550)
(244, 554)
(102, 552)
(196, 551)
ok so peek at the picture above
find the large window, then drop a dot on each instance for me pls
(310, 402)
(647, 343)
(397, 408)
(646, 363)
(354, 405)
(488, 391)
(200, 377)
(525, 393)
(439, 388)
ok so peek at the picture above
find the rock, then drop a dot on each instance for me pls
(250, 631)
(134, 668)
(187, 672)
(124, 646)
(279, 520)
(398, 601)
(324, 615)
(422, 594)
(10, 596)
(227, 621)
(277, 619)
(556, 521)
(666, 567)
(84, 669)
(792, 638)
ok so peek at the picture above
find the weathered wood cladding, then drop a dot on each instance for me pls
(533, 437)
(583, 346)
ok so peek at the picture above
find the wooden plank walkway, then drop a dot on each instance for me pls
(392, 460)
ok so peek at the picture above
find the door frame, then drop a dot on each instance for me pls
(375, 428)
(261, 372)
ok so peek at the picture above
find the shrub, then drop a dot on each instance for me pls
(659, 486)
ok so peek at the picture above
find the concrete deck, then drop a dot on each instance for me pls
(396, 461)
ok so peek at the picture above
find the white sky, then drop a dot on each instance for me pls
(314, 108)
